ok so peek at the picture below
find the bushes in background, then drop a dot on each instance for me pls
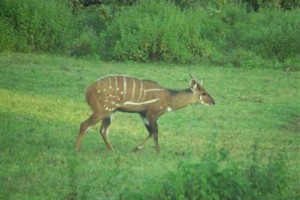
(272, 33)
(228, 35)
(219, 32)
(148, 31)
(37, 26)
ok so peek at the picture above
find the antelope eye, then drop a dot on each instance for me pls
(203, 94)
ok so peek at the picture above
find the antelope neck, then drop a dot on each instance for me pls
(180, 98)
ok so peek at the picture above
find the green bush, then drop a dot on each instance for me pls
(43, 25)
(178, 31)
(217, 177)
(272, 34)
(257, 39)
(267, 39)
(229, 35)
(139, 33)
(155, 30)
(7, 36)
(86, 44)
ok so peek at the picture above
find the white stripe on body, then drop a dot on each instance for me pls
(140, 103)
(109, 83)
(144, 92)
(141, 91)
(154, 90)
(124, 87)
(116, 83)
(133, 89)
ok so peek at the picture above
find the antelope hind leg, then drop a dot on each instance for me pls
(104, 132)
(92, 120)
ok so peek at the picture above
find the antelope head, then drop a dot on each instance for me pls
(200, 94)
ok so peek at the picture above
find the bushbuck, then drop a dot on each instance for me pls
(145, 97)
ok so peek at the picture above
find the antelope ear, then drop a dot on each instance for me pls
(194, 84)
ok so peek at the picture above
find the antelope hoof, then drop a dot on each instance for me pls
(77, 149)
(138, 148)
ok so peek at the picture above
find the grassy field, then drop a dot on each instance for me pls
(42, 105)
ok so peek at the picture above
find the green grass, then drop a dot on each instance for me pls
(42, 104)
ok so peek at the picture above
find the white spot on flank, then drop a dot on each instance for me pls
(99, 91)
(169, 109)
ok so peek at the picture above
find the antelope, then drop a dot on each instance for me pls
(133, 95)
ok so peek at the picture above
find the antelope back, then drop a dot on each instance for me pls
(114, 92)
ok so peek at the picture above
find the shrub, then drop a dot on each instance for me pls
(86, 44)
(178, 31)
(155, 30)
(272, 34)
(43, 25)
(139, 33)
(216, 177)
(7, 36)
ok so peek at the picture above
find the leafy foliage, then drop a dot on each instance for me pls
(46, 26)
(148, 31)
(216, 177)
(222, 32)
(225, 35)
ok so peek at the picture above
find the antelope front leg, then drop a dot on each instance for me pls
(140, 146)
(104, 132)
(152, 128)
(146, 123)
(157, 147)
